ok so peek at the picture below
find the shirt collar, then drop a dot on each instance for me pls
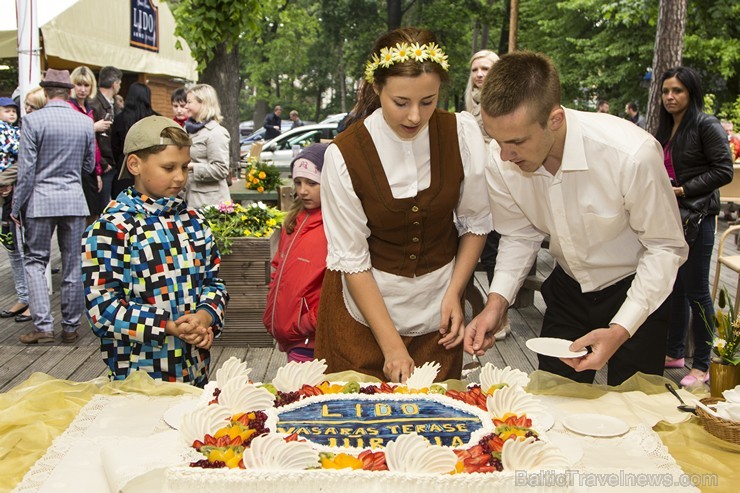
(574, 153)
(388, 132)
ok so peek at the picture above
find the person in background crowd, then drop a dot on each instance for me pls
(86, 88)
(295, 119)
(9, 233)
(272, 123)
(598, 188)
(300, 263)
(698, 162)
(603, 106)
(35, 99)
(732, 138)
(179, 100)
(633, 114)
(405, 212)
(138, 105)
(150, 266)
(480, 64)
(209, 154)
(120, 103)
(104, 108)
(57, 147)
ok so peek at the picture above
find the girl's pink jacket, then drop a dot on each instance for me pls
(298, 271)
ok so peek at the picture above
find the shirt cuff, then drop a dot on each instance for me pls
(478, 225)
(631, 316)
(505, 285)
(348, 264)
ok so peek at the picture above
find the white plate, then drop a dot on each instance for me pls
(542, 421)
(732, 395)
(557, 348)
(173, 415)
(596, 425)
(571, 449)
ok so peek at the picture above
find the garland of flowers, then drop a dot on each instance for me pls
(403, 52)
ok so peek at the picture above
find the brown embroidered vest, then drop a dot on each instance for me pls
(415, 235)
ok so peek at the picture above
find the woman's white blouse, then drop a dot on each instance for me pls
(413, 303)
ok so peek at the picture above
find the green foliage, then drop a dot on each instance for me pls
(726, 341)
(261, 176)
(205, 24)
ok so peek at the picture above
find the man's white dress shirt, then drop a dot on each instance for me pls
(610, 212)
(413, 303)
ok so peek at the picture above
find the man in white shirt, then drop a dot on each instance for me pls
(597, 186)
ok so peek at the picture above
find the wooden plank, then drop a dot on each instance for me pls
(74, 359)
(45, 359)
(91, 368)
(258, 359)
(277, 360)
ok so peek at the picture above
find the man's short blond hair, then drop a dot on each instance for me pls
(522, 78)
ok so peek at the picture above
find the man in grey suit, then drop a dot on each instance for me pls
(57, 145)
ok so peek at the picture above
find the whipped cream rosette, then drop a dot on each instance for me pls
(423, 376)
(272, 453)
(203, 421)
(532, 455)
(492, 378)
(294, 375)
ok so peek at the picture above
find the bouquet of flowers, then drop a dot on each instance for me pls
(726, 342)
(229, 220)
(261, 176)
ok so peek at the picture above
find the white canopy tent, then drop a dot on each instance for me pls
(91, 32)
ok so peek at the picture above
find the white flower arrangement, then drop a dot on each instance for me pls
(404, 52)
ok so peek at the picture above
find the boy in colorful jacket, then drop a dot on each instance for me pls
(150, 266)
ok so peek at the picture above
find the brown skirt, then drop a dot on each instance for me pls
(346, 344)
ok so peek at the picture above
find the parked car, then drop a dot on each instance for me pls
(246, 128)
(280, 149)
(336, 118)
(245, 143)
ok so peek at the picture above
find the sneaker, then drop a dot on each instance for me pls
(6, 237)
(504, 330)
(674, 363)
(37, 337)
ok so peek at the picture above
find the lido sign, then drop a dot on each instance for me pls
(144, 25)
(361, 423)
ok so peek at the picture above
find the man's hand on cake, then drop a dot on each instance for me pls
(398, 365)
(603, 343)
(452, 323)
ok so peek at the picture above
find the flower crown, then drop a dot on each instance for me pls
(403, 52)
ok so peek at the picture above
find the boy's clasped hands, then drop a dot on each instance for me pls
(193, 328)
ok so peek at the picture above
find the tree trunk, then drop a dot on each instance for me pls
(475, 39)
(668, 52)
(395, 14)
(261, 109)
(513, 25)
(503, 41)
(342, 81)
(222, 72)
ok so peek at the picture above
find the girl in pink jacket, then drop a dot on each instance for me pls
(300, 262)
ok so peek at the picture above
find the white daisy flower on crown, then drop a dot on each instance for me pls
(401, 52)
(444, 63)
(418, 52)
(386, 57)
(435, 52)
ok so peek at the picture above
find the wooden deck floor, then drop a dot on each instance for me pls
(81, 360)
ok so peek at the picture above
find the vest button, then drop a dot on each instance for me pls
(414, 209)
(415, 239)
(416, 223)
(412, 256)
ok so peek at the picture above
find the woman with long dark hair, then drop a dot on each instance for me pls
(138, 105)
(698, 162)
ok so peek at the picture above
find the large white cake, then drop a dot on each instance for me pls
(304, 433)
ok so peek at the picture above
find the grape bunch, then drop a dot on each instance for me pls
(203, 463)
(285, 398)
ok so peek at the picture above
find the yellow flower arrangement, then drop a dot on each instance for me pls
(726, 340)
(261, 176)
(229, 220)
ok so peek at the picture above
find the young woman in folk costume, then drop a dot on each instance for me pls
(406, 214)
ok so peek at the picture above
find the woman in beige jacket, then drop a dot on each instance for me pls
(209, 154)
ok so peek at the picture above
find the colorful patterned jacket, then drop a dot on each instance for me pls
(145, 262)
(9, 136)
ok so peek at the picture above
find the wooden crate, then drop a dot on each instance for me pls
(246, 272)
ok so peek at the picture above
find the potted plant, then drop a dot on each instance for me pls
(247, 240)
(261, 176)
(724, 367)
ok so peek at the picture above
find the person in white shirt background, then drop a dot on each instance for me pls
(406, 214)
(596, 184)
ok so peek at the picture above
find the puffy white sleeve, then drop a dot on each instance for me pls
(473, 213)
(345, 222)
